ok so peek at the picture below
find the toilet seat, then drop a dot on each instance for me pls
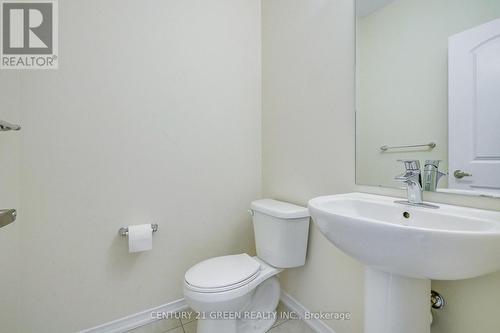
(221, 274)
(258, 293)
(207, 295)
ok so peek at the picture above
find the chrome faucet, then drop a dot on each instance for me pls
(413, 180)
(432, 175)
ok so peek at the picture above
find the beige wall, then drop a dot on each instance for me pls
(308, 136)
(402, 78)
(153, 116)
(9, 198)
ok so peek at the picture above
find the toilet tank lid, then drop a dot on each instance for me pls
(279, 209)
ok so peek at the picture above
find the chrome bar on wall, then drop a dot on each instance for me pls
(5, 126)
(430, 145)
(124, 230)
(7, 216)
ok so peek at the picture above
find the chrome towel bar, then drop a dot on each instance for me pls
(124, 230)
(7, 216)
(5, 126)
(430, 145)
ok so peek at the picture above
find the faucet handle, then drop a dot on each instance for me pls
(411, 165)
(434, 163)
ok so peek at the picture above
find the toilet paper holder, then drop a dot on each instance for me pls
(124, 230)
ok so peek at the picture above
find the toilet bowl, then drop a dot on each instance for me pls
(240, 293)
(229, 307)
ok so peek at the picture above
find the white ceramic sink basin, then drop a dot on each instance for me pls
(448, 243)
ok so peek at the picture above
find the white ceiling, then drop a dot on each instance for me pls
(366, 7)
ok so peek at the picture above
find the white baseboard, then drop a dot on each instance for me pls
(138, 319)
(144, 317)
(317, 325)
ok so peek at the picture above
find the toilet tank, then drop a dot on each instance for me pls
(281, 232)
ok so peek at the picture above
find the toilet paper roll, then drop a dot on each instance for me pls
(140, 238)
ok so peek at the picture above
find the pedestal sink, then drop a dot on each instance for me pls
(404, 247)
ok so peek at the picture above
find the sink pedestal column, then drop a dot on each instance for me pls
(396, 304)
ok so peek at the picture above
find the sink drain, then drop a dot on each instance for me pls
(437, 301)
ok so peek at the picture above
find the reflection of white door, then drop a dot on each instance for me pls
(474, 108)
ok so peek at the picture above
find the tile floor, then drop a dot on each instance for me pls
(189, 326)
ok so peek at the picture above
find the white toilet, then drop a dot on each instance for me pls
(240, 293)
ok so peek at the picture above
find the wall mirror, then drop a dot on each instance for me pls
(428, 89)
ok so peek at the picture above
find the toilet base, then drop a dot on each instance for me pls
(258, 316)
